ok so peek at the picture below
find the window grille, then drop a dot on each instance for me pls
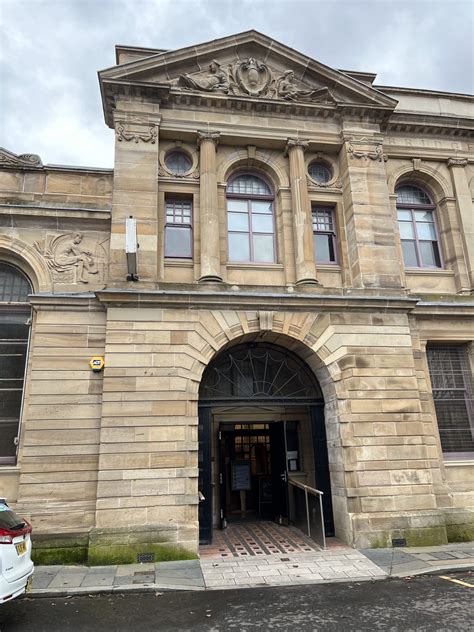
(451, 381)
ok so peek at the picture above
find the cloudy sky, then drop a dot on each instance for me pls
(50, 51)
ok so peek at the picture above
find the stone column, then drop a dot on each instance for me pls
(305, 265)
(465, 211)
(209, 218)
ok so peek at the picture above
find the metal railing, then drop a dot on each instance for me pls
(306, 510)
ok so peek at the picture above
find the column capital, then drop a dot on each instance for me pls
(292, 143)
(207, 135)
(457, 162)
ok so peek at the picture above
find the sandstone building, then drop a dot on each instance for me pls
(303, 304)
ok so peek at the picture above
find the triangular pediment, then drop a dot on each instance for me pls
(249, 65)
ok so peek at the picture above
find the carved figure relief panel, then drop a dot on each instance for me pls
(74, 257)
(251, 77)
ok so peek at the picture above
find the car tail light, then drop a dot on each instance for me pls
(7, 535)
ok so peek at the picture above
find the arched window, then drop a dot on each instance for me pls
(250, 220)
(14, 334)
(417, 225)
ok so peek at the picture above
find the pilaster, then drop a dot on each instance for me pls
(465, 211)
(373, 255)
(135, 191)
(301, 210)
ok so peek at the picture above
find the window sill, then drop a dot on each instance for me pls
(328, 267)
(254, 266)
(179, 263)
(8, 468)
(429, 271)
(461, 461)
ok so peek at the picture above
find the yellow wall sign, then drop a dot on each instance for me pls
(97, 363)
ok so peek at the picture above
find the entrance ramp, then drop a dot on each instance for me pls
(256, 539)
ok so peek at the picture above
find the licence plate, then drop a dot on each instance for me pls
(20, 548)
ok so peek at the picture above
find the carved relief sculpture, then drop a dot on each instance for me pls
(148, 137)
(254, 78)
(8, 158)
(365, 148)
(68, 258)
(216, 80)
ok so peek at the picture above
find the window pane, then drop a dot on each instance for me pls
(261, 207)
(324, 248)
(239, 247)
(319, 172)
(177, 241)
(429, 254)
(178, 162)
(426, 231)
(237, 205)
(262, 223)
(409, 254)
(406, 215)
(238, 221)
(322, 219)
(423, 216)
(178, 211)
(406, 230)
(263, 250)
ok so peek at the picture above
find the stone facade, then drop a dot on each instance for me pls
(107, 463)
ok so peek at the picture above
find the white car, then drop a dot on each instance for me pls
(16, 567)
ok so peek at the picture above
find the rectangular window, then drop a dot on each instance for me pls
(178, 228)
(324, 235)
(13, 349)
(419, 238)
(451, 381)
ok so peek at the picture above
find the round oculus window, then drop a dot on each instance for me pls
(319, 172)
(178, 162)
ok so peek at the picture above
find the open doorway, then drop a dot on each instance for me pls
(261, 421)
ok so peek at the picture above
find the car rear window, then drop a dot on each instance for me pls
(8, 518)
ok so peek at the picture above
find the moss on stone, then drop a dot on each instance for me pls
(460, 532)
(127, 553)
(59, 555)
(425, 536)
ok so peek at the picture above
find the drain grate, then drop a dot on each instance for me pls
(142, 558)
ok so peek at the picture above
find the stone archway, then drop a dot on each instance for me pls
(262, 393)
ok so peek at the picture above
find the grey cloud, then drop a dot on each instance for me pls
(51, 51)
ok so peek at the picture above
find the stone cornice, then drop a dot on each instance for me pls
(28, 210)
(76, 302)
(241, 300)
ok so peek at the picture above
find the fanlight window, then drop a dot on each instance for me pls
(249, 185)
(261, 372)
(14, 286)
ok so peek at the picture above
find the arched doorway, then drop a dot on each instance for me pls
(261, 419)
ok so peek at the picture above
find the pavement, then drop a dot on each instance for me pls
(337, 564)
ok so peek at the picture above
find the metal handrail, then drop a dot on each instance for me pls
(307, 488)
(318, 494)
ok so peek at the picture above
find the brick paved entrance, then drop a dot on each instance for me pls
(263, 553)
(259, 538)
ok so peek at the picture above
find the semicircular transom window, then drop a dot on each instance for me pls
(319, 172)
(178, 162)
(410, 194)
(249, 184)
(250, 220)
(14, 286)
(260, 372)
